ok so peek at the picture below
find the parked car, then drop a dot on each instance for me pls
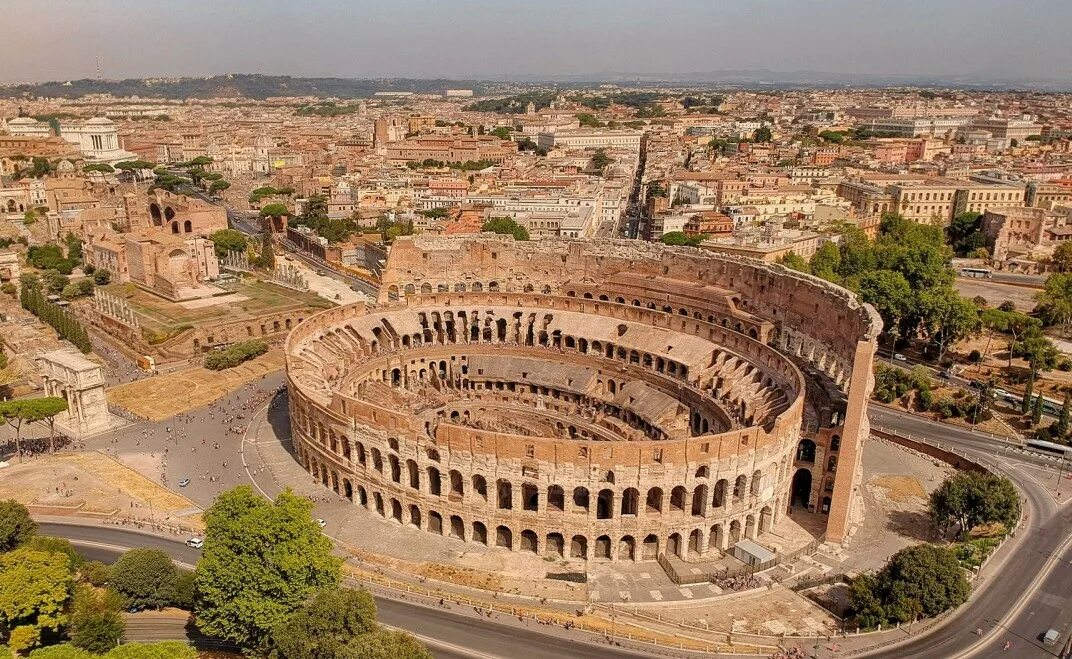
(184, 482)
(195, 542)
(1051, 636)
(899, 357)
(321, 523)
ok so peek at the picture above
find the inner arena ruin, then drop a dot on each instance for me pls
(593, 400)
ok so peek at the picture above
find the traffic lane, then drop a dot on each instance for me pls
(463, 632)
(991, 603)
(119, 537)
(490, 637)
(1048, 608)
(882, 417)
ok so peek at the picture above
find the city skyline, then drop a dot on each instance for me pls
(486, 40)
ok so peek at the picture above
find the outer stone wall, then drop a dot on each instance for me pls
(609, 400)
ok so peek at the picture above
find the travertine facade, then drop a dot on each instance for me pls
(79, 381)
(606, 399)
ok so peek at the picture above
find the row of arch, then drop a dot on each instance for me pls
(606, 503)
(695, 542)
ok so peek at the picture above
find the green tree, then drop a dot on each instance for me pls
(276, 211)
(96, 625)
(1055, 300)
(55, 281)
(325, 624)
(145, 577)
(35, 587)
(680, 238)
(600, 160)
(99, 167)
(794, 261)
(968, 499)
(917, 251)
(1060, 429)
(218, 186)
(825, 262)
(1062, 257)
(762, 134)
(507, 226)
(946, 317)
(16, 526)
(920, 580)
(260, 562)
(267, 251)
(891, 295)
(95, 573)
(54, 545)
(102, 277)
(225, 241)
(183, 590)
(385, 644)
(45, 409)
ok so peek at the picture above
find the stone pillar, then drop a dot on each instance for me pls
(856, 429)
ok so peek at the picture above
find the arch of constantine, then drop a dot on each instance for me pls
(596, 400)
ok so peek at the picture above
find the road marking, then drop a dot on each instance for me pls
(443, 645)
(121, 549)
(1021, 603)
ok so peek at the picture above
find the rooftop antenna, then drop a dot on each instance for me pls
(98, 68)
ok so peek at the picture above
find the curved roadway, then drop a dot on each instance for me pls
(1028, 593)
(1025, 596)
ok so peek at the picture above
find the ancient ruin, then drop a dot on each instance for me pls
(596, 400)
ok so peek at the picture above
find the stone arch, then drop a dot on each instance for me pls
(605, 504)
(677, 499)
(435, 523)
(579, 547)
(480, 486)
(396, 510)
(480, 533)
(415, 516)
(556, 498)
(650, 548)
(653, 503)
(581, 498)
(627, 549)
(806, 451)
(529, 541)
(801, 489)
(696, 542)
(602, 547)
(673, 545)
(719, 498)
(457, 527)
(699, 500)
(555, 546)
(630, 501)
(504, 537)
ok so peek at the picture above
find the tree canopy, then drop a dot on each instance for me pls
(260, 562)
(923, 580)
(680, 238)
(146, 577)
(325, 625)
(506, 225)
(1055, 300)
(969, 499)
(34, 589)
(16, 526)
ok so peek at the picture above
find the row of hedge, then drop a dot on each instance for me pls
(235, 355)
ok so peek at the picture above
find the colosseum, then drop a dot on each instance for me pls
(606, 400)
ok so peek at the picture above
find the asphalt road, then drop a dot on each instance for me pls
(1030, 589)
(448, 634)
(1040, 572)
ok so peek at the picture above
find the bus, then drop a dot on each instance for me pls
(1049, 447)
(979, 273)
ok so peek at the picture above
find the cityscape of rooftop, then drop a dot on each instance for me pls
(414, 330)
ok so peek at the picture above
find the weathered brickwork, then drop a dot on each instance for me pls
(598, 400)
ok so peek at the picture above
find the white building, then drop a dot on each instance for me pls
(96, 138)
(596, 138)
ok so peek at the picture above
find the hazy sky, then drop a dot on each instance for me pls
(58, 39)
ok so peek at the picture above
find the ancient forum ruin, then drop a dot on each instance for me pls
(592, 400)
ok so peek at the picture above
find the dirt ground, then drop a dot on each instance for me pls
(996, 293)
(90, 482)
(896, 488)
(771, 612)
(164, 396)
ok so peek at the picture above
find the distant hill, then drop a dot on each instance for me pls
(260, 87)
(252, 86)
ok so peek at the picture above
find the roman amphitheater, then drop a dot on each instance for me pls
(608, 400)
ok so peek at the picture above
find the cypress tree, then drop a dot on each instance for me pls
(1036, 413)
(1062, 421)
